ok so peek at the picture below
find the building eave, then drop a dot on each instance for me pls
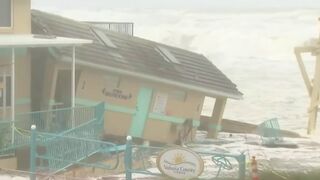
(206, 91)
(33, 41)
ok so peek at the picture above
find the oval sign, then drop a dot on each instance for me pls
(180, 163)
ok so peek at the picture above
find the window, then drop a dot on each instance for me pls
(5, 13)
(5, 91)
(102, 36)
(167, 55)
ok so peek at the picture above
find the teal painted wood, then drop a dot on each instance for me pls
(126, 110)
(143, 153)
(140, 117)
(172, 119)
(242, 166)
(128, 158)
(270, 131)
(89, 123)
(108, 107)
(76, 149)
(120, 109)
(33, 151)
(65, 150)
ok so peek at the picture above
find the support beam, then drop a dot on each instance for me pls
(303, 71)
(313, 110)
(216, 118)
(13, 58)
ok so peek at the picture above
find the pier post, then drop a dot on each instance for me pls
(312, 84)
(33, 151)
(128, 158)
(242, 166)
(314, 104)
(214, 125)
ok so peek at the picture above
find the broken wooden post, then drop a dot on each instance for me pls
(216, 118)
(312, 84)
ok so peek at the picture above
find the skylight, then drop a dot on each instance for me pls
(103, 37)
(167, 55)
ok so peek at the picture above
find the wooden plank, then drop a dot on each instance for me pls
(172, 119)
(304, 73)
(216, 118)
(314, 99)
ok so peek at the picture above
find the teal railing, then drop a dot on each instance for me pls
(84, 122)
(62, 151)
(270, 131)
(141, 155)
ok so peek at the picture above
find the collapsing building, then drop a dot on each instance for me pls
(149, 88)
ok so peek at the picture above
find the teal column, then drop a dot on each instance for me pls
(33, 149)
(139, 119)
(242, 166)
(128, 158)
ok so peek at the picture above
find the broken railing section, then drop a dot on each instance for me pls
(88, 120)
(270, 129)
(61, 151)
(141, 155)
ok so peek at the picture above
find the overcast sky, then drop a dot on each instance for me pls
(176, 4)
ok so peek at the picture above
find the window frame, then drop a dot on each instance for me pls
(8, 28)
(102, 36)
(167, 54)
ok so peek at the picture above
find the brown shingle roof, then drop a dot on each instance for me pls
(137, 55)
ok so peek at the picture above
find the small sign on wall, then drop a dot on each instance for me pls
(160, 103)
(117, 93)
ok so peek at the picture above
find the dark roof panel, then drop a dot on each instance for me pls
(136, 54)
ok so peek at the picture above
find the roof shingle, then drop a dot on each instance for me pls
(137, 55)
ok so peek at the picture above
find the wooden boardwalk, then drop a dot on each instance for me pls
(233, 126)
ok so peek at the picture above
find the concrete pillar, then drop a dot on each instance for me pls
(215, 121)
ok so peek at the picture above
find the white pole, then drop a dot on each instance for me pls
(12, 94)
(4, 96)
(2, 93)
(73, 87)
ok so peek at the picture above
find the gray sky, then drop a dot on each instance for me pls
(176, 4)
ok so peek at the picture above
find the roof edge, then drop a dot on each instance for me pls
(211, 92)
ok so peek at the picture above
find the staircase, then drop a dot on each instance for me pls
(67, 135)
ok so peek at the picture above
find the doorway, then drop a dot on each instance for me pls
(62, 94)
